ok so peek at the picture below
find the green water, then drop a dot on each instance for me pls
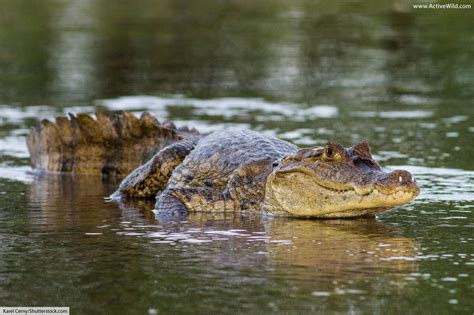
(306, 71)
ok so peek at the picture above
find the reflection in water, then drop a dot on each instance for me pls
(70, 201)
(341, 248)
(333, 249)
(78, 52)
(231, 257)
(74, 64)
(327, 259)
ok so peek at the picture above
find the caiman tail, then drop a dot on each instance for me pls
(113, 143)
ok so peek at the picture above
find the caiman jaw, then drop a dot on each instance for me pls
(373, 189)
(373, 197)
(405, 183)
(301, 192)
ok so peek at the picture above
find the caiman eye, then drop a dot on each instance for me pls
(331, 155)
(329, 152)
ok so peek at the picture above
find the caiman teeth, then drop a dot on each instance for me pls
(365, 191)
(368, 190)
(330, 186)
(400, 194)
(337, 190)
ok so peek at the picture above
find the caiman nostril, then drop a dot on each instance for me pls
(401, 177)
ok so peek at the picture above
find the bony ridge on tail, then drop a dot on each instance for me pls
(229, 170)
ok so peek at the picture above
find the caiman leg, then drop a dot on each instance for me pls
(244, 191)
(179, 200)
(149, 179)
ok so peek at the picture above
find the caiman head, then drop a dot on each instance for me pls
(334, 182)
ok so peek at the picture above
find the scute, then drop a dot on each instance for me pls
(218, 155)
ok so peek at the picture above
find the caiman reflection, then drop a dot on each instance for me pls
(341, 248)
(248, 249)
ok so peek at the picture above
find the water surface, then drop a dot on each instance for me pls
(305, 71)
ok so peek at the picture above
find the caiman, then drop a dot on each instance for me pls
(228, 170)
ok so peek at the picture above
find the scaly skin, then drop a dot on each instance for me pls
(114, 143)
(243, 170)
(334, 182)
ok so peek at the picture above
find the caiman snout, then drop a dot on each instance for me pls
(399, 180)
